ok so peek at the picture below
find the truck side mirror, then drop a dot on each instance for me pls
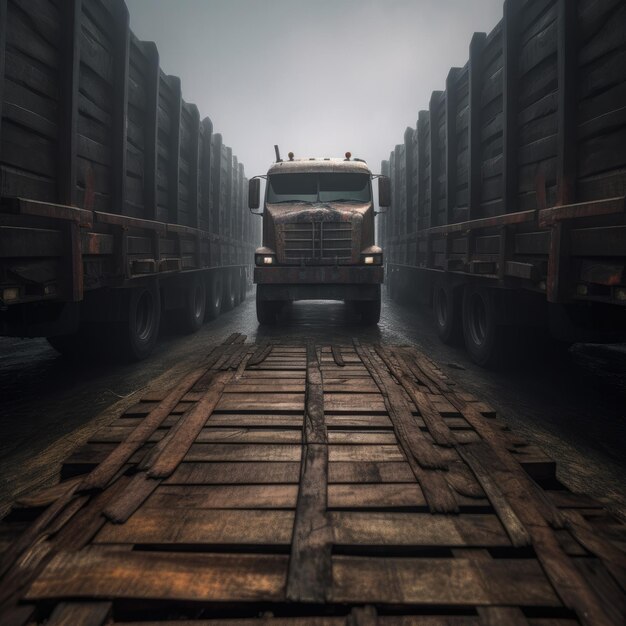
(384, 192)
(254, 193)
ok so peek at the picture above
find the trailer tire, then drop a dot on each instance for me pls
(138, 333)
(447, 313)
(191, 316)
(370, 310)
(482, 335)
(213, 296)
(229, 299)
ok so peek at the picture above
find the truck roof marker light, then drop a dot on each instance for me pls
(348, 155)
(290, 155)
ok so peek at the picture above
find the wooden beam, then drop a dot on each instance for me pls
(151, 53)
(435, 155)
(174, 164)
(70, 64)
(422, 122)
(120, 110)
(194, 166)
(205, 172)
(477, 47)
(510, 96)
(567, 106)
(409, 174)
(451, 143)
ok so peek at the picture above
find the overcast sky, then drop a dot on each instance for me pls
(318, 77)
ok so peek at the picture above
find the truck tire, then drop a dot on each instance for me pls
(213, 296)
(483, 337)
(191, 316)
(266, 310)
(447, 314)
(228, 299)
(369, 310)
(138, 333)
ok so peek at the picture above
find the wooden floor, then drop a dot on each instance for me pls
(297, 484)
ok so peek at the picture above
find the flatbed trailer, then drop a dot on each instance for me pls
(509, 194)
(308, 483)
(117, 201)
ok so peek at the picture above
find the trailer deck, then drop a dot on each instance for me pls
(304, 483)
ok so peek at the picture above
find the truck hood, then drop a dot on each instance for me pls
(307, 211)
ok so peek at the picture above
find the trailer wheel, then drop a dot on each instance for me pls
(213, 296)
(480, 331)
(229, 295)
(192, 314)
(447, 314)
(266, 310)
(138, 333)
(369, 310)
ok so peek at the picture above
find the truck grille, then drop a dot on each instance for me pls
(318, 241)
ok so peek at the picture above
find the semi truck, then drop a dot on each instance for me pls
(118, 204)
(509, 194)
(318, 235)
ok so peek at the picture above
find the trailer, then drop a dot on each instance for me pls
(309, 483)
(118, 204)
(508, 196)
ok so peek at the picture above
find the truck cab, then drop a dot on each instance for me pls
(318, 235)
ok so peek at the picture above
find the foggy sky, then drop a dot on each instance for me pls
(318, 77)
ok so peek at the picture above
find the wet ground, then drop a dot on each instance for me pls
(572, 404)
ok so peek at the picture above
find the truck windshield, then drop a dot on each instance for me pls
(319, 188)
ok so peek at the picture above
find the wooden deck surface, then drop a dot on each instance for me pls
(296, 484)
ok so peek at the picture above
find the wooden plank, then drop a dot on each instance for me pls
(453, 582)
(451, 146)
(275, 496)
(137, 575)
(567, 81)
(419, 452)
(140, 435)
(359, 528)
(477, 46)
(150, 125)
(375, 495)
(511, 43)
(310, 561)
(174, 149)
(120, 110)
(227, 473)
(66, 172)
(269, 527)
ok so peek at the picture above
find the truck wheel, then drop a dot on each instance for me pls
(192, 314)
(266, 310)
(138, 333)
(229, 299)
(480, 331)
(214, 296)
(447, 314)
(370, 310)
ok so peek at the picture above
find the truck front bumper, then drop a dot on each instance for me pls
(347, 282)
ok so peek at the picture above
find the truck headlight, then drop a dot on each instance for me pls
(372, 259)
(265, 259)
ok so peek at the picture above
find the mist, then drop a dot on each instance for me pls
(317, 77)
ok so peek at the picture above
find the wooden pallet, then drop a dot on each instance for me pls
(295, 484)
